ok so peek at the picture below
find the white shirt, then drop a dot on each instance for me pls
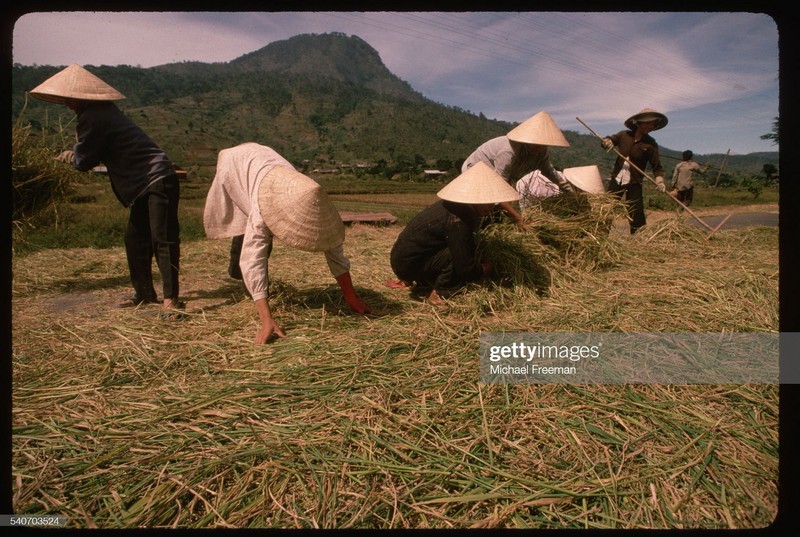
(232, 209)
(536, 185)
(498, 153)
(624, 174)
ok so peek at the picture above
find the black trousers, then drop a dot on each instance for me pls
(434, 272)
(234, 270)
(634, 198)
(686, 196)
(236, 251)
(153, 231)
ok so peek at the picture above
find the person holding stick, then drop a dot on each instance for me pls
(258, 194)
(523, 150)
(683, 176)
(636, 146)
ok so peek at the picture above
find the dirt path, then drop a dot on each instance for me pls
(739, 216)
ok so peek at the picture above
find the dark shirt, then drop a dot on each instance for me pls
(444, 224)
(134, 161)
(640, 153)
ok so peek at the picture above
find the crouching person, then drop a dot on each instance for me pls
(437, 252)
(259, 194)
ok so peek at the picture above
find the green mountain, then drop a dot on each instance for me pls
(321, 100)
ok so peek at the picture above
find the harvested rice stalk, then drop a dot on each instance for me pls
(39, 183)
(561, 231)
(670, 230)
(577, 227)
(519, 259)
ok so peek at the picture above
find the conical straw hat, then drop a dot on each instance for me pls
(75, 82)
(539, 129)
(647, 114)
(478, 185)
(298, 211)
(587, 178)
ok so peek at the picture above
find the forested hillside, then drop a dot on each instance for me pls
(324, 101)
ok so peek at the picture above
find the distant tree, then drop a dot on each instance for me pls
(753, 186)
(769, 171)
(379, 168)
(444, 164)
(774, 134)
(726, 180)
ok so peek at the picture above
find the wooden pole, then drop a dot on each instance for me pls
(687, 209)
(718, 226)
(704, 164)
(721, 167)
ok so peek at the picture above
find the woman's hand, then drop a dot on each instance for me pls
(267, 330)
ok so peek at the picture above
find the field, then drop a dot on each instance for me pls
(122, 419)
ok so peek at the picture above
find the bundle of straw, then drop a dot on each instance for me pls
(563, 231)
(670, 230)
(518, 258)
(40, 184)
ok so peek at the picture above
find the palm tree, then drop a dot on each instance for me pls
(774, 134)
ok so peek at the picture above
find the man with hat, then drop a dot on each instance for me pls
(142, 178)
(637, 145)
(436, 251)
(260, 195)
(521, 151)
(683, 178)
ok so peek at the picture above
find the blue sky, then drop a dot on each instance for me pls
(714, 74)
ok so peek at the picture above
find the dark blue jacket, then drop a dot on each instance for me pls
(133, 160)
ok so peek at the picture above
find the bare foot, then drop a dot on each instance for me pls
(435, 299)
(172, 310)
(398, 284)
(170, 303)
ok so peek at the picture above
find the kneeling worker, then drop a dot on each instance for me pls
(437, 249)
(259, 194)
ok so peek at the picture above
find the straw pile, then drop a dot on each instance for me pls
(561, 232)
(123, 420)
(39, 183)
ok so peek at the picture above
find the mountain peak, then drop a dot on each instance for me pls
(333, 55)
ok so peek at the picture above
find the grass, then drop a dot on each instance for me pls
(122, 420)
(91, 217)
(706, 196)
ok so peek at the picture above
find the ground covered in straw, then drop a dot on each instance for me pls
(122, 419)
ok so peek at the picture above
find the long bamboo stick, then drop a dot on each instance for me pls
(718, 226)
(721, 167)
(676, 200)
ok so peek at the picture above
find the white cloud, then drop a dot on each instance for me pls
(708, 67)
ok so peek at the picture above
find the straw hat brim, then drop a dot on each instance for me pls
(647, 114)
(540, 129)
(478, 185)
(586, 178)
(75, 82)
(298, 212)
